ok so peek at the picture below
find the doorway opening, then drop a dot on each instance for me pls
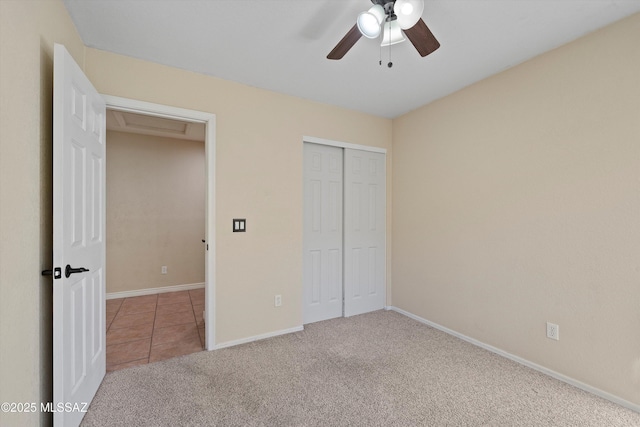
(155, 221)
(172, 224)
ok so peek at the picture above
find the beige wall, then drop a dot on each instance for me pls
(28, 30)
(258, 177)
(517, 202)
(155, 211)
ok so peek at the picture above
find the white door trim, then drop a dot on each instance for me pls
(341, 144)
(165, 111)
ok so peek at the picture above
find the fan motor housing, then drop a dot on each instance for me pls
(383, 3)
(387, 5)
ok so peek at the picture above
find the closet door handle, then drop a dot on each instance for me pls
(68, 270)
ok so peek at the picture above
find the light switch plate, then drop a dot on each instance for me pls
(239, 225)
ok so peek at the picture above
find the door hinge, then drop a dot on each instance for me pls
(56, 273)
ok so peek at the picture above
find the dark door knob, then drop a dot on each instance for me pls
(56, 273)
(68, 270)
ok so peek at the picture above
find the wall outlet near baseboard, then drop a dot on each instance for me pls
(553, 331)
(163, 270)
(277, 300)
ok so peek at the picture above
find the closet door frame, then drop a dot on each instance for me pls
(346, 145)
(340, 144)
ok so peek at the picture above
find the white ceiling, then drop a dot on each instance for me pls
(281, 45)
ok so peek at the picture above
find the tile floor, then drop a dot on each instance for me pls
(151, 328)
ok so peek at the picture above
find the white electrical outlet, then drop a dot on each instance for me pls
(163, 270)
(277, 301)
(553, 331)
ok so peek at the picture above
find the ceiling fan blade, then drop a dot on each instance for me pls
(422, 38)
(346, 43)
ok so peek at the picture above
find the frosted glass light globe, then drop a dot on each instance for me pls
(369, 22)
(408, 12)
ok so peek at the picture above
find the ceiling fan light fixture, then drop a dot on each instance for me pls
(408, 12)
(392, 33)
(369, 22)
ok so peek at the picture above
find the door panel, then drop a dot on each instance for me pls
(322, 263)
(364, 234)
(79, 335)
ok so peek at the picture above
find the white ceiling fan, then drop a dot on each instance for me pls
(392, 18)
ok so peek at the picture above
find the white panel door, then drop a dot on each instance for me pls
(322, 264)
(79, 335)
(364, 232)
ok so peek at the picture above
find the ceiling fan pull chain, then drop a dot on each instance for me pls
(389, 64)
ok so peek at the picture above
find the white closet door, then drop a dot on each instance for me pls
(364, 234)
(322, 265)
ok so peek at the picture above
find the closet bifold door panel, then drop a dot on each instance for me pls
(364, 231)
(323, 232)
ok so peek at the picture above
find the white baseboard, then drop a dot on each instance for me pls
(151, 291)
(525, 362)
(258, 337)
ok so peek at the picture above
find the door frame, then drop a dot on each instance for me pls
(340, 144)
(209, 119)
(343, 145)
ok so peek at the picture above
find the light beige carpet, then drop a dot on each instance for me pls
(377, 369)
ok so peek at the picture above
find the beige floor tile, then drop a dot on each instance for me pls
(131, 333)
(109, 320)
(197, 296)
(174, 318)
(197, 311)
(111, 368)
(174, 349)
(141, 307)
(172, 308)
(174, 333)
(164, 324)
(142, 299)
(113, 305)
(201, 332)
(197, 292)
(197, 301)
(128, 352)
(174, 298)
(128, 320)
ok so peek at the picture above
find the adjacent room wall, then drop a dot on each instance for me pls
(258, 175)
(155, 211)
(517, 202)
(28, 30)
